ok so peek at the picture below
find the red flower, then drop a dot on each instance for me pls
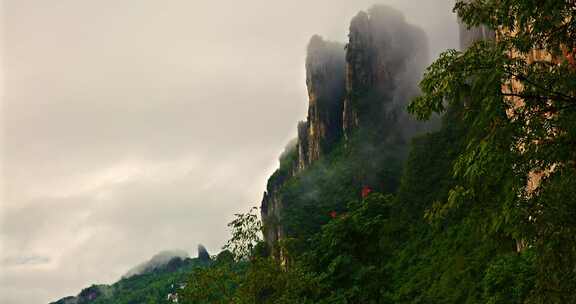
(365, 191)
(570, 57)
(333, 214)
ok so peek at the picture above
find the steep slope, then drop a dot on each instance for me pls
(357, 131)
(318, 134)
(325, 82)
(400, 248)
(384, 60)
(469, 35)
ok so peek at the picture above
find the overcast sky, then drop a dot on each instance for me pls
(134, 126)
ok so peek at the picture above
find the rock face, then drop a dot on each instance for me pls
(302, 147)
(383, 60)
(271, 209)
(365, 84)
(325, 81)
(203, 254)
(325, 64)
(360, 67)
(470, 35)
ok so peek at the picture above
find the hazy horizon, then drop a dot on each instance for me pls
(133, 127)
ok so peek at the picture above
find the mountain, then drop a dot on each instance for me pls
(357, 93)
(156, 281)
(363, 206)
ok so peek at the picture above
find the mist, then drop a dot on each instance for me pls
(384, 59)
(159, 260)
(130, 127)
(400, 55)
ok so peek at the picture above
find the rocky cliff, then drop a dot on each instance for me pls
(383, 56)
(363, 85)
(469, 35)
(325, 81)
(361, 67)
(325, 64)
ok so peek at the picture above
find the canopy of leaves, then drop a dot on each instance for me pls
(521, 107)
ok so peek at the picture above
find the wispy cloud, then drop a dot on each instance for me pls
(25, 260)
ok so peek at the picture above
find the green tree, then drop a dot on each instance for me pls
(509, 278)
(212, 285)
(351, 251)
(246, 229)
(266, 281)
(516, 133)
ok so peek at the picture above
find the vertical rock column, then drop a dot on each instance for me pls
(360, 65)
(325, 64)
(325, 80)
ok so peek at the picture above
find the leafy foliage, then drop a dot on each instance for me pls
(216, 284)
(351, 251)
(245, 234)
(509, 278)
(522, 108)
(334, 181)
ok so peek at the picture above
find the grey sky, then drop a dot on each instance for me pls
(134, 126)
